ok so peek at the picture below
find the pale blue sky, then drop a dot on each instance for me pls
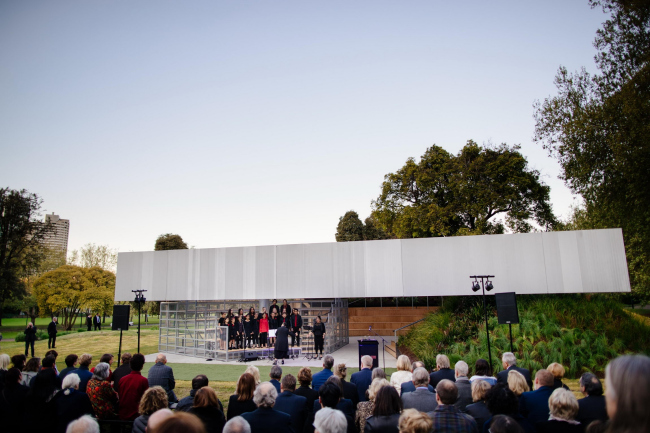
(262, 122)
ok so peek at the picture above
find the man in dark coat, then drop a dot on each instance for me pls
(12, 402)
(97, 321)
(51, 332)
(409, 386)
(163, 375)
(534, 404)
(282, 343)
(509, 362)
(592, 407)
(121, 371)
(89, 322)
(363, 378)
(30, 337)
(265, 419)
(293, 405)
(444, 371)
(296, 326)
(463, 386)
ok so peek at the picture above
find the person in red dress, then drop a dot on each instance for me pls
(132, 387)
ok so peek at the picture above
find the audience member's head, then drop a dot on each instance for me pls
(480, 389)
(157, 417)
(180, 422)
(19, 361)
(556, 370)
(366, 361)
(462, 369)
(375, 386)
(265, 395)
(206, 397)
(126, 358)
(45, 385)
(417, 364)
(85, 359)
(446, 392)
(12, 377)
(378, 373)
(107, 358)
(328, 420)
(49, 362)
(442, 361)
(304, 376)
(53, 353)
(85, 424)
(32, 365)
(482, 367)
(153, 399)
(504, 424)
(543, 377)
(500, 400)
(71, 380)
(336, 381)
(590, 385)
(101, 371)
(414, 421)
(71, 360)
(329, 395)
(403, 363)
(137, 362)
(245, 387)
(420, 377)
(517, 383)
(627, 380)
(341, 371)
(288, 383)
(508, 359)
(251, 369)
(237, 425)
(276, 372)
(563, 404)
(328, 361)
(161, 358)
(199, 381)
(387, 402)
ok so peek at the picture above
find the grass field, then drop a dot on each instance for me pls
(15, 326)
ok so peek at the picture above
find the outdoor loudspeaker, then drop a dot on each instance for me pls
(121, 315)
(507, 308)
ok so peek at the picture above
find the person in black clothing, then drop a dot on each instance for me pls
(13, 402)
(97, 321)
(30, 337)
(274, 308)
(592, 407)
(248, 332)
(256, 326)
(229, 315)
(51, 332)
(282, 343)
(305, 390)
(296, 326)
(222, 320)
(349, 389)
(71, 403)
(385, 415)
(19, 361)
(285, 308)
(40, 401)
(329, 395)
(232, 333)
(89, 322)
(319, 336)
(274, 323)
(206, 407)
(241, 332)
(242, 400)
(121, 371)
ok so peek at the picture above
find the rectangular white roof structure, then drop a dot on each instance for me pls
(586, 261)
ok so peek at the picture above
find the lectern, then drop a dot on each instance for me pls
(370, 348)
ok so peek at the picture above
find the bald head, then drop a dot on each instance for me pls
(161, 358)
(157, 417)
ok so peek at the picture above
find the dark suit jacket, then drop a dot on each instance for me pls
(293, 405)
(268, 420)
(320, 378)
(309, 424)
(236, 407)
(362, 379)
(162, 375)
(591, 408)
(310, 394)
(559, 427)
(118, 374)
(420, 399)
(464, 393)
(443, 373)
(479, 412)
(382, 424)
(351, 393)
(502, 376)
(276, 383)
(409, 387)
(534, 404)
(344, 406)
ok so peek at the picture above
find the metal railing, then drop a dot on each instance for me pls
(399, 329)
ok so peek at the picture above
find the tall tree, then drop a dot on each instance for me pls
(598, 128)
(481, 190)
(350, 228)
(170, 241)
(91, 255)
(21, 232)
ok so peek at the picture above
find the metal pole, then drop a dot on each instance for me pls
(139, 303)
(487, 329)
(510, 325)
(119, 350)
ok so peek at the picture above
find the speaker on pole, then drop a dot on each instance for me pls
(507, 308)
(121, 315)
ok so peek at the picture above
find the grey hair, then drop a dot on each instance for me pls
(462, 368)
(366, 361)
(4, 361)
(85, 424)
(101, 371)
(442, 361)
(509, 357)
(265, 395)
(71, 381)
(276, 372)
(237, 425)
(420, 377)
(328, 420)
(417, 364)
(328, 361)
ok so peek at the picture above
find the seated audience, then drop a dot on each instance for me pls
(293, 405)
(237, 425)
(41, 407)
(186, 403)
(30, 371)
(179, 422)
(84, 371)
(70, 365)
(319, 378)
(242, 401)
(627, 379)
(161, 374)
(363, 378)
(265, 419)
(108, 359)
(421, 399)
(517, 383)
(275, 374)
(344, 405)
(330, 421)
(85, 424)
(365, 408)
(558, 373)
(206, 407)
(413, 421)
(504, 424)
(509, 362)
(563, 410)
(349, 389)
(463, 385)
(18, 361)
(534, 404)
(4, 366)
(71, 403)
(482, 372)
(49, 363)
(385, 415)
(304, 390)
(121, 371)
(132, 388)
(409, 386)
(54, 354)
(153, 399)
(157, 417)
(102, 395)
(500, 400)
(379, 373)
(592, 406)
(251, 369)
(13, 401)
(329, 395)
(443, 371)
(446, 414)
(478, 410)
(403, 373)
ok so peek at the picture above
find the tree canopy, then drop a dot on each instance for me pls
(482, 190)
(169, 241)
(350, 228)
(91, 255)
(597, 127)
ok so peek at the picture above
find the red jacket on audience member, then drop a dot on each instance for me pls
(132, 387)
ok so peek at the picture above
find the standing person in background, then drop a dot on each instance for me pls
(51, 333)
(255, 325)
(274, 323)
(232, 333)
(97, 321)
(248, 332)
(241, 332)
(296, 326)
(30, 337)
(222, 320)
(285, 308)
(89, 322)
(264, 329)
(282, 344)
(274, 308)
(318, 330)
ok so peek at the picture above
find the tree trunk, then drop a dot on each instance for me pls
(1, 313)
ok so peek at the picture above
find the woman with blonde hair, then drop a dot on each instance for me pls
(153, 399)
(478, 410)
(558, 373)
(365, 408)
(563, 407)
(517, 383)
(349, 389)
(403, 373)
(4, 366)
(255, 372)
(414, 421)
(206, 407)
